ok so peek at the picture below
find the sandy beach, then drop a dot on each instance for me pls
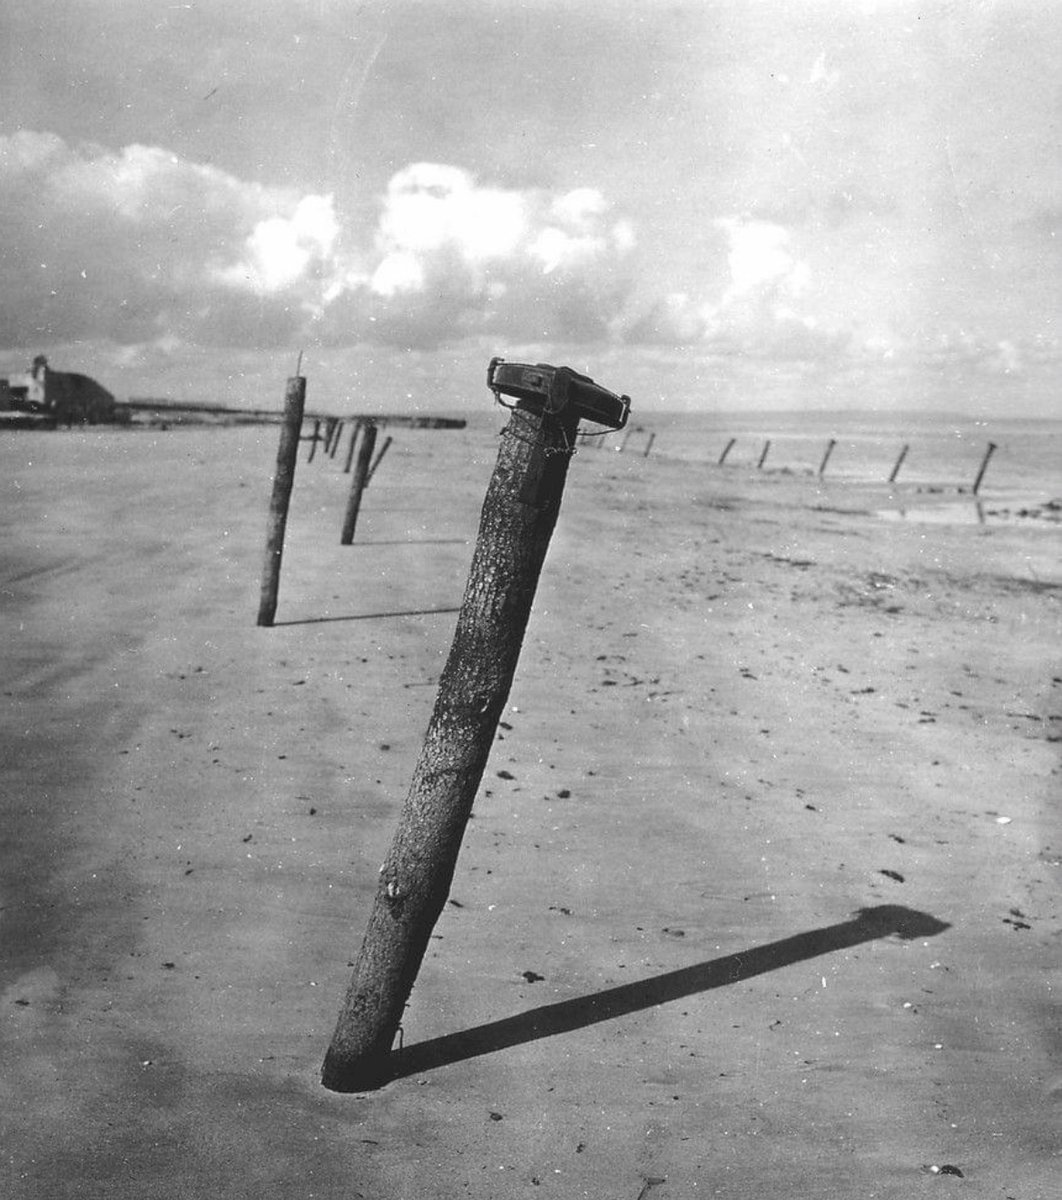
(761, 896)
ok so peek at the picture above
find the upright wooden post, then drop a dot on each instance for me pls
(315, 437)
(357, 484)
(626, 439)
(514, 534)
(899, 463)
(336, 439)
(984, 467)
(726, 450)
(283, 478)
(763, 455)
(350, 449)
(378, 459)
(826, 457)
(649, 445)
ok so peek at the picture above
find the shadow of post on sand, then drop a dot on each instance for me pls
(867, 925)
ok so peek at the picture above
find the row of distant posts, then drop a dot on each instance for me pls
(990, 449)
(327, 432)
(830, 446)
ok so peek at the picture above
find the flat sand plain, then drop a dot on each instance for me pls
(761, 894)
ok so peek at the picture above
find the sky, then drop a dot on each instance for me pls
(706, 204)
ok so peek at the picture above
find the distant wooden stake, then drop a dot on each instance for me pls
(357, 484)
(315, 437)
(376, 461)
(984, 467)
(337, 438)
(415, 878)
(649, 445)
(283, 478)
(726, 450)
(350, 449)
(626, 439)
(826, 457)
(899, 463)
(763, 455)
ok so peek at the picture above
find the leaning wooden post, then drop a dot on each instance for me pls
(283, 478)
(899, 463)
(519, 513)
(350, 449)
(984, 467)
(357, 484)
(826, 457)
(336, 439)
(649, 445)
(378, 459)
(726, 450)
(763, 455)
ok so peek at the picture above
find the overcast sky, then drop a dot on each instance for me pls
(704, 203)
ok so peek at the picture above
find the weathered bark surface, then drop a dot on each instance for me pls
(415, 879)
(283, 478)
(357, 484)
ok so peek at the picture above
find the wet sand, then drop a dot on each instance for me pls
(760, 897)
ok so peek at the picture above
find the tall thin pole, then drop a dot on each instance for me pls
(763, 455)
(336, 439)
(283, 478)
(649, 445)
(726, 450)
(357, 483)
(415, 879)
(899, 463)
(984, 467)
(826, 457)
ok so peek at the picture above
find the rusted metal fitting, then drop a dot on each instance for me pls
(542, 388)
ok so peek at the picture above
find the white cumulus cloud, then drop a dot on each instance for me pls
(139, 244)
(757, 313)
(452, 256)
(281, 249)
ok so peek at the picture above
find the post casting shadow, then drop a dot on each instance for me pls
(413, 612)
(551, 1019)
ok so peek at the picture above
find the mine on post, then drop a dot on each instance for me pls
(519, 513)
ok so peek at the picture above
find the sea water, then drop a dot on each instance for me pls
(944, 456)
